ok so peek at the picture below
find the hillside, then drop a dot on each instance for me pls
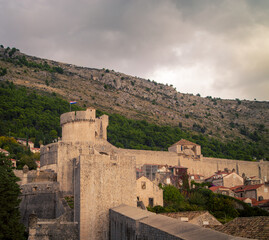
(139, 98)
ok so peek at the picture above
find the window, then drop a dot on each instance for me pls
(151, 202)
(143, 185)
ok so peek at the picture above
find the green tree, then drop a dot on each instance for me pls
(171, 195)
(10, 226)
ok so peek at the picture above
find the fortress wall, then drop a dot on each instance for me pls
(67, 152)
(195, 166)
(38, 198)
(49, 154)
(53, 229)
(153, 157)
(249, 168)
(105, 182)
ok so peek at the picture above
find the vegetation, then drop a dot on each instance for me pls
(10, 226)
(70, 201)
(126, 133)
(3, 71)
(27, 114)
(22, 61)
(21, 153)
(224, 208)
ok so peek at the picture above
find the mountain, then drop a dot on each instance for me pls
(137, 98)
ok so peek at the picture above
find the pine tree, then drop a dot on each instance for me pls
(10, 226)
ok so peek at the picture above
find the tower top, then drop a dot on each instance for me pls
(88, 115)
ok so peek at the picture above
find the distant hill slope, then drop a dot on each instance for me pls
(25, 113)
(138, 98)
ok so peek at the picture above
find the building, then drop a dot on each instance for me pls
(148, 192)
(225, 179)
(13, 162)
(24, 142)
(5, 152)
(222, 190)
(258, 191)
(197, 178)
(252, 180)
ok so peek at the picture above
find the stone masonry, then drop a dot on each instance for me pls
(101, 176)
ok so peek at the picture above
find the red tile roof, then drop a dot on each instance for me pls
(215, 188)
(243, 188)
(184, 142)
(246, 227)
(257, 203)
(196, 176)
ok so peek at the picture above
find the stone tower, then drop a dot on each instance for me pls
(97, 174)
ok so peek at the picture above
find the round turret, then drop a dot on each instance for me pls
(78, 126)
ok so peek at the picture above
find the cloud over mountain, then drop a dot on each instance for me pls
(218, 48)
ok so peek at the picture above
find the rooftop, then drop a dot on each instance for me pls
(190, 214)
(243, 188)
(248, 227)
(184, 142)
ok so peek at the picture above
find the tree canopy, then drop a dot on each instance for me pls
(10, 226)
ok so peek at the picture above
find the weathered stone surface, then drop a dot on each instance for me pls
(132, 223)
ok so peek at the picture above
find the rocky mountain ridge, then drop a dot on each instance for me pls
(138, 98)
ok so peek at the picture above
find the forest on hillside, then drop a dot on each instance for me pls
(28, 114)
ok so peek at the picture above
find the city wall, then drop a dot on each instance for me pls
(52, 229)
(204, 166)
(153, 157)
(42, 199)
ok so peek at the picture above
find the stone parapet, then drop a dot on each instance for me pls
(37, 188)
(88, 115)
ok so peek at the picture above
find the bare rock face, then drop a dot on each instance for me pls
(139, 98)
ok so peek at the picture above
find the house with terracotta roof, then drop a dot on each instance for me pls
(35, 150)
(13, 162)
(258, 191)
(225, 179)
(252, 180)
(198, 178)
(200, 218)
(222, 190)
(5, 152)
(25, 142)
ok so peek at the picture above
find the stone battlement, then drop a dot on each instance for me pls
(37, 188)
(88, 115)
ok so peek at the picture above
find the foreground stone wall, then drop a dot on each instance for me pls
(102, 182)
(41, 199)
(52, 229)
(130, 223)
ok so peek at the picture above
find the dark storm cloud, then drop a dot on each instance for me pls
(213, 47)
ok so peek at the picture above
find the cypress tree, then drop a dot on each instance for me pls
(10, 226)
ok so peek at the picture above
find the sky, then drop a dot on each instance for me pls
(216, 48)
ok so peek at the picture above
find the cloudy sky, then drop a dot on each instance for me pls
(216, 48)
